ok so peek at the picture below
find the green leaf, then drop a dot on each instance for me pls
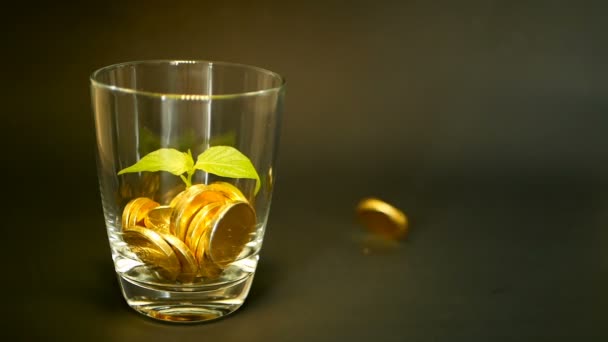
(164, 159)
(227, 161)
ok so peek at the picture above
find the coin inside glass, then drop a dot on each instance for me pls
(139, 213)
(126, 213)
(193, 201)
(230, 233)
(159, 219)
(207, 268)
(135, 211)
(229, 190)
(153, 250)
(200, 223)
(175, 200)
(189, 265)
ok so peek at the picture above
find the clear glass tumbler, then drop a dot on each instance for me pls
(185, 156)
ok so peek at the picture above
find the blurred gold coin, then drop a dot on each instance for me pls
(149, 184)
(125, 191)
(382, 218)
(192, 202)
(229, 190)
(153, 250)
(189, 266)
(200, 222)
(230, 232)
(159, 219)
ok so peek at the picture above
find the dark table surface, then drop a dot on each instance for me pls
(484, 121)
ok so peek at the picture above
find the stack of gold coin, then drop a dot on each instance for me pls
(136, 211)
(153, 250)
(201, 232)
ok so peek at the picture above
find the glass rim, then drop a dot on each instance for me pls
(185, 96)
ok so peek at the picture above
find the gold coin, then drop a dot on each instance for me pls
(131, 210)
(229, 190)
(139, 210)
(153, 250)
(159, 219)
(382, 218)
(180, 203)
(199, 251)
(201, 228)
(189, 266)
(126, 212)
(230, 233)
(207, 268)
(192, 202)
(173, 203)
(200, 222)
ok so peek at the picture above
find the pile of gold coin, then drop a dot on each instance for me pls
(201, 232)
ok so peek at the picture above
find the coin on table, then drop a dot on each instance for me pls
(382, 218)
(189, 266)
(153, 250)
(192, 202)
(230, 232)
(229, 190)
(200, 222)
(159, 219)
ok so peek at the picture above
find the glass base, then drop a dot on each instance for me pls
(185, 305)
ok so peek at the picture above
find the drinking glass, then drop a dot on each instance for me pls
(185, 158)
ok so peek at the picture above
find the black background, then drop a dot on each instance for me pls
(483, 120)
